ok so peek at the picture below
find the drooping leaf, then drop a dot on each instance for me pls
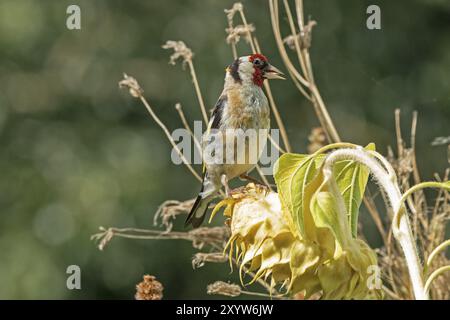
(326, 213)
(351, 178)
(292, 173)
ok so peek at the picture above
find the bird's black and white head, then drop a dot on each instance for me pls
(253, 69)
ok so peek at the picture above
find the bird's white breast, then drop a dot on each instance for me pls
(245, 123)
(247, 108)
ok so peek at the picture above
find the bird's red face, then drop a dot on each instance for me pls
(253, 69)
(259, 62)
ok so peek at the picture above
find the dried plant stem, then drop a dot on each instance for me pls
(232, 43)
(180, 50)
(244, 21)
(391, 293)
(307, 79)
(195, 236)
(371, 207)
(277, 117)
(197, 91)
(275, 111)
(398, 132)
(416, 174)
(301, 58)
(419, 200)
(179, 108)
(296, 76)
(441, 191)
(213, 236)
(260, 294)
(329, 125)
(299, 80)
(277, 146)
(389, 249)
(263, 177)
(302, 28)
(172, 142)
(142, 234)
(137, 92)
(234, 50)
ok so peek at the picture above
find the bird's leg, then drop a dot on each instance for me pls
(255, 181)
(244, 177)
(224, 180)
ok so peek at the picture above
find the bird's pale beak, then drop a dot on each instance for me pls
(273, 73)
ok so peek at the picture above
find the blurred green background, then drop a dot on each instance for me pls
(78, 153)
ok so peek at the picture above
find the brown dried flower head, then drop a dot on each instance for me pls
(223, 288)
(200, 258)
(237, 7)
(317, 139)
(235, 33)
(169, 210)
(132, 85)
(180, 51)
(304, 37)
(149, 289)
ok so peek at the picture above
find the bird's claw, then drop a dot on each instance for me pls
(257, 183)
(224, 180)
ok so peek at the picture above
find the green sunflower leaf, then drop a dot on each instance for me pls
(351, 178)
(293, 173)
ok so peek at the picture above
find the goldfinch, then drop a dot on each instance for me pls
(228, 150)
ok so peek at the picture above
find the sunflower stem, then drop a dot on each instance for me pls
(382, 172)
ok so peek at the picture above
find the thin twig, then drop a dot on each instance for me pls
(182, 51)
(179, 108)
(307, 80)
(197, 91)
(136, 91)
(275, 111)
(263, 177)
(277, 146)
(215, 236)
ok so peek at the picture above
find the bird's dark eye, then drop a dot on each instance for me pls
(256, 62)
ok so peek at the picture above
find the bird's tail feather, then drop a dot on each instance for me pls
(198, 212)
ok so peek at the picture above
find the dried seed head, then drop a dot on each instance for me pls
(104, 237)
(304, 38)
(317, 139)
(180, 51)
(237, 7)
(438, 141)
(206, 235)
(149, 289)
(403, 164)
(132, 85)
(235, 33)
(169, 210)
(223, 288)
(200, 258)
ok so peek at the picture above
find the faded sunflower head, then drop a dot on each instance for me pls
(264, 239)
